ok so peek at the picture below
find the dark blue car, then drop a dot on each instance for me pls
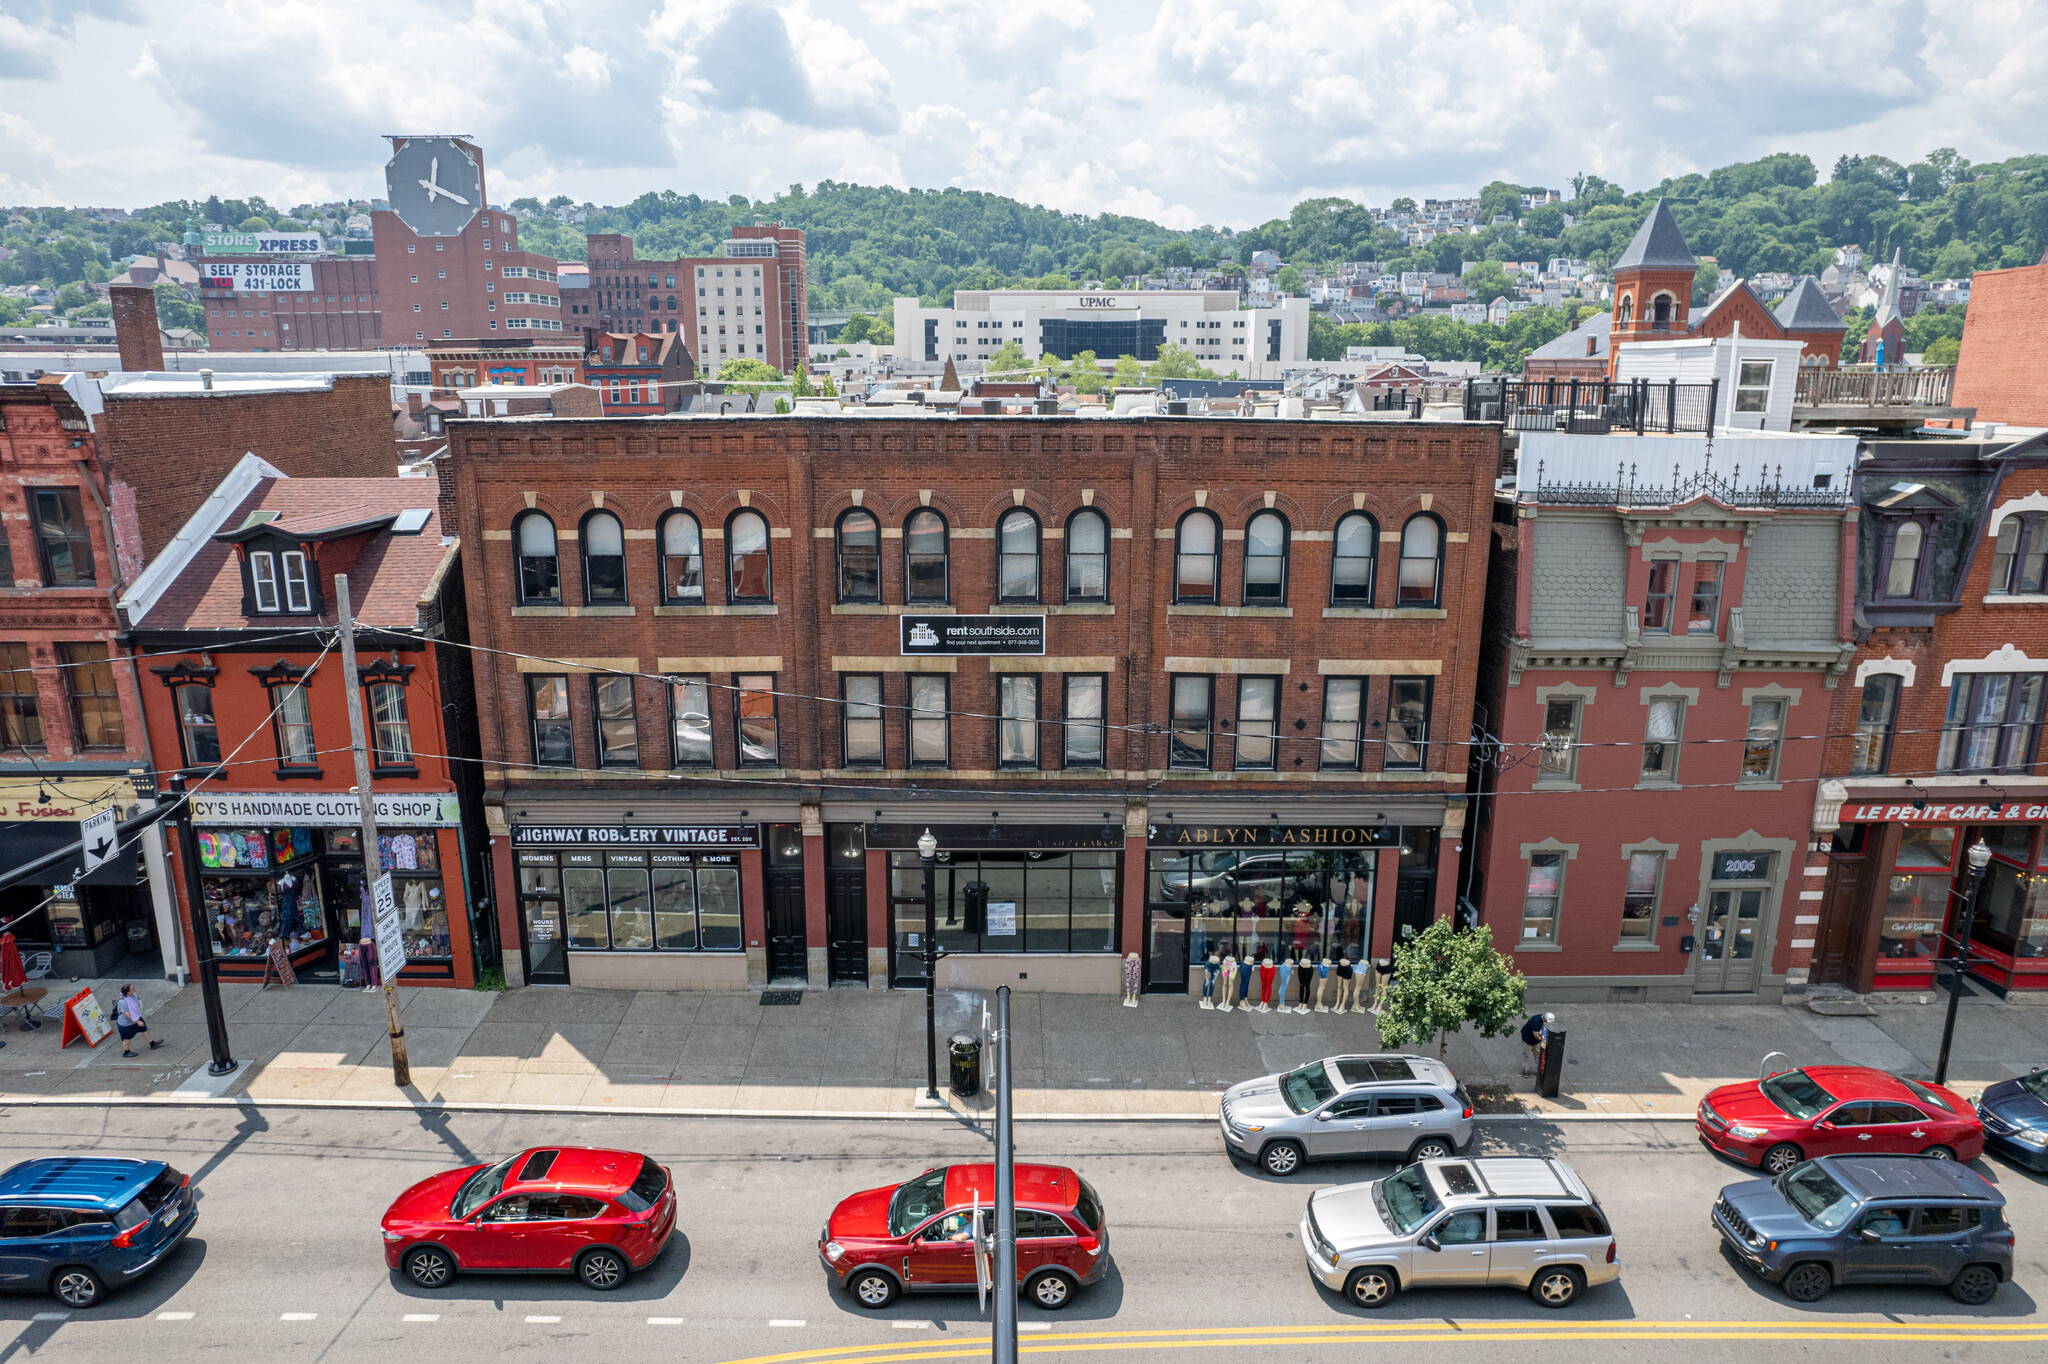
(2015, 1118)
(75, 1227)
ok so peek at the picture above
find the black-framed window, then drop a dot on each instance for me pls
(2021, 555)
(616, 726)
(1343, 708)
(63, 542)
(861, 738)
(390, 724)
(1659, 597)
(1876, 714)
(661, 900)
(1258, 724)
(1704, 615)
(95, 705)
(689, 722)
(756, 721)
(21, 710)
(1663, 724)
(1265, 560)
(1905, 560)
(1559, 756)
(263, 582)
(1764, 739)
(291, 718)
(1994, 722)
(603, 543)
(682, 560)
(540, 564)
(860, 557)
(1017, 727)
(931, 729)
(1197, 558)
(749, 575)
(1408, 702)
(1083, 727)
(547, 709)
(1194, 711)
(1087, 556)
(925, 567)
(1017, 550)
(6, 559)
(1422, 561)
(1355, 548)
(197, 730)
(298, 588)
(1639, 896)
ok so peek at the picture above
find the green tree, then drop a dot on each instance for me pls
(13, 311)
(1403, 206)
(1943, 350)
(174, 309)
(781, 406)
(857, 329)
(1486, 282)
(73, 297)
(1128, 373)
(526, 203)
(827, 389)
(801, 388)
(1178, 362)
(745, 370)
(1008, 361)
(254, 223)
(1444, 978)
(1705, 281)
(1289, 281)
(560, 201)
(1085, 372)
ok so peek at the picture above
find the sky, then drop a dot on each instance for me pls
(1225, 112)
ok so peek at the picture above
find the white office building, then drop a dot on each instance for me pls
(1209, 324)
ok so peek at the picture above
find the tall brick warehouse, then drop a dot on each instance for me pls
(2003, 368)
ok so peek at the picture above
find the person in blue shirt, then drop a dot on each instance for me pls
(1534, 1034)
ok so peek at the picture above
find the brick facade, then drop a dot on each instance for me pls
(2001, 371)
(341, 313)
(770, 317)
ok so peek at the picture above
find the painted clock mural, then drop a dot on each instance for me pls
(434, 186)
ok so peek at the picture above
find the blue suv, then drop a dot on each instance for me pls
(76, 1226)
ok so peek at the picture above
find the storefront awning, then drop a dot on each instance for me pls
(23, 842)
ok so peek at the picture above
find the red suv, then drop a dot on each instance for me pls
(1836, 1111)
(596, 1214)
(919, 1236)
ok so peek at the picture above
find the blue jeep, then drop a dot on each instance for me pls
(76, 1226)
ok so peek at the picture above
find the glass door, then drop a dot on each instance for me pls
(540, 905)
(1166, 950)
(1732, 924)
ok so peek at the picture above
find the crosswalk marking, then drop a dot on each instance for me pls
(422, 1316)
(299, 1316)
(785, 1321)
(174, 1316)
(542, 1321)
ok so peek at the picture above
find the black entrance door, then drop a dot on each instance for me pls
(788, 961)
(1414, 904)
(1166, 950)
(846, 904)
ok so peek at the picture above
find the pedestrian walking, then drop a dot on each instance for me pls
(128, 1018)
(1535, 1033)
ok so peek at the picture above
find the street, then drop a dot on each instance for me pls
(285, 1261)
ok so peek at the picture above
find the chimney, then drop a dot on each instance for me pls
(136, 329)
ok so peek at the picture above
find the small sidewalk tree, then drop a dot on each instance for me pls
(1445, 978)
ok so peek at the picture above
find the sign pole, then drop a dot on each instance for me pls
(205, 967)
(385, 904)
(1005, 1334)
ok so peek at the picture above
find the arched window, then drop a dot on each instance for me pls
(1194, 558)
(924, 557)
(1265, 560)
(604, 560)
(1661, 317)
(1356, 549)
(746, 558)
(682, 560)
(1422, 551)
(860, 557)
(540, 570)
(1902, 571)
(1628, 309)
(1087, 556)
(1017, 557)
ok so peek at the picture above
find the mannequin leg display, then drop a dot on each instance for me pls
(1245, 971)
(1345, 985)
(1133, 979)
(1286, 984)
(1223, 1004)
(1323, 988)
(1266, 972)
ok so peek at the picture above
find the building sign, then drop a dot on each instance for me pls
(1102, 301)
(924, 635)
(262, 243)
(324, 809)
(635, 835)
(258, 276)
(1277, 836)
(1040, 837)
(1742, 866)
(2006, 812)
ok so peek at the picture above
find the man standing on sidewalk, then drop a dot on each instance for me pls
(1534, 1034)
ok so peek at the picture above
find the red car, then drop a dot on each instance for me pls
(1836, 1111)
(919, 1236)
(596, 1214)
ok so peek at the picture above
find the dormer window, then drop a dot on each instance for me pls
(263, 576)
(298, 597)
(278, 583)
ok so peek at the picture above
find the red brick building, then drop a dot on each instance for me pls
(2002, 372)
(342, 310)
(1934, 744)
(752, 302)
(639, 374)
(1202, 684)
(246, 698)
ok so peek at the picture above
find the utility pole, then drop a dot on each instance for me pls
(1005, 1334)
(401, 1068)
(208, 971)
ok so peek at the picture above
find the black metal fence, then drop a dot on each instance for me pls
(1593, 406)
(1632, 489)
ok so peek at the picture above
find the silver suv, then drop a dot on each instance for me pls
(1395, 1107)
(1505, 1222)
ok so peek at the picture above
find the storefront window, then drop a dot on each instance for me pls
(637, 901)
(1269, 902)
(1009, 902)
(1927, 847)
(260, 885)
(1915, 908)
(2012, 904)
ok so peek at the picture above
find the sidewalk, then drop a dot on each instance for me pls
(858, 1052)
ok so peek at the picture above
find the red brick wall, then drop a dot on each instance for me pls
(2003, 370)
(135, 327)
(341, 313)
(621, 299)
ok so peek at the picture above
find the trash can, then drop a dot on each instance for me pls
(1552, 1074)
(963, 1050)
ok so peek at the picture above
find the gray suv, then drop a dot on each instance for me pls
(1395, 1107)
(1499, 1221)
(1870, 1219)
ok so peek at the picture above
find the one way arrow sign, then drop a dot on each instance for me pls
(96, 837)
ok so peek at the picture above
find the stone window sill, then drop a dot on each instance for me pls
(766, 609)
(1637, 947)
(1658, 786)
(1062, 609)
(1555, 784)
(884, 609)
(1255, 612)
(1759, 786)
(562, 611)
(1538, 947)
(2016, 599)
(1384, 613)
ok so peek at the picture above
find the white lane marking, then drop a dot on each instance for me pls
(53, 1316)
(785, 1321)
(422, 1316)
(299, 1316)
(1034, 1326)
(542, 1321)
(911, 1325)
(174, 1316)
(664, 1321)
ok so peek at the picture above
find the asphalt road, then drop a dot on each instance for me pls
(285, 1261)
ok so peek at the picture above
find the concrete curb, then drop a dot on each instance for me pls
(839, 1115)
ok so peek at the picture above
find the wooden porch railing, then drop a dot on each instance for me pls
(1855, 386)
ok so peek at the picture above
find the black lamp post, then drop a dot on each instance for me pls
(1980, 858)
(927, 853)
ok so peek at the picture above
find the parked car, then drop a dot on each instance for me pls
(1777, 1122)
(1870, 1219)
(1498, 1221)
(1395, 1106)
(2015, 1117)
(578, 1210)
(918, 1236)
(76, 1226)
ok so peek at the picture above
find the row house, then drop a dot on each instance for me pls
(1935, 748)
(639, 374)
(1161, 688)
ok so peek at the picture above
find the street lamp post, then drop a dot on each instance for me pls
(1980, 858)
(928, 852)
